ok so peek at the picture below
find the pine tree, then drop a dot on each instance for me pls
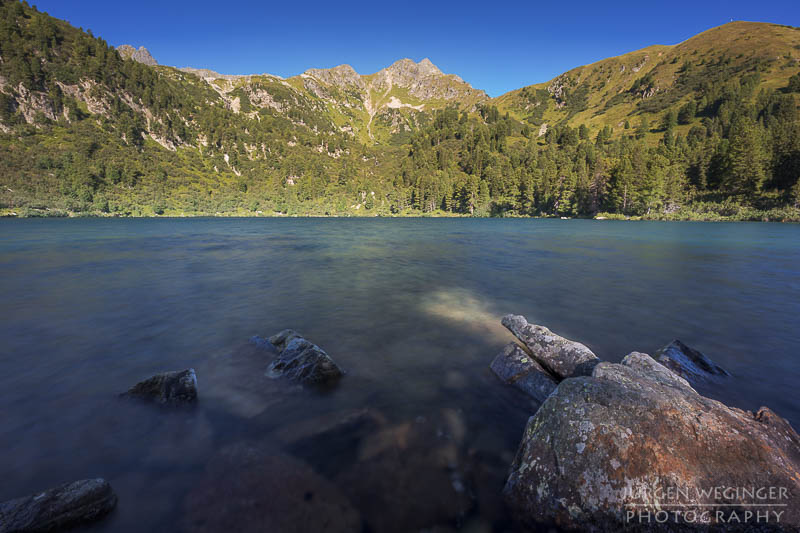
(746, 158)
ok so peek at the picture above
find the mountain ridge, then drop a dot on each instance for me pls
(709, 124)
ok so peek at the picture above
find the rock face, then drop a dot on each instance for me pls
(167, 388)
(58, 508)
(341, 76)
(561, 357)
(302, 361)
(689, 363)
(515, 367)
(142, 55)
(251, 488)
(628, 446)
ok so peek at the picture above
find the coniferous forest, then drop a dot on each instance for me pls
(708, 130)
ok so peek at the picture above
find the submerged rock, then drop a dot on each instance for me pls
(411, 476)
(689, 363)
(173, 388)
(301, 360)
(58, 508)
(561, 357)
(515, 367)
(251, 488)
(630, 441)
(316, 440)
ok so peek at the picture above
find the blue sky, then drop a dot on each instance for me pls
(494, 46)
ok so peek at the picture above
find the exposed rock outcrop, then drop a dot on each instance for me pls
(561, 357)
(301, 360)
(58, 508)
(634, 447)
(689, 363)
(515, 367)
(168, 388)
(142, 55)
(341, 76)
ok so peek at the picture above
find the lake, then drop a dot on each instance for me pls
(410, 308)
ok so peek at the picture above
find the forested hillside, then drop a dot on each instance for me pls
(709, 128)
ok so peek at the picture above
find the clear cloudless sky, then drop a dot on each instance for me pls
(495, 46)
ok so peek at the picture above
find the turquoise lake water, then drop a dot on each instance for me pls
(410, 308)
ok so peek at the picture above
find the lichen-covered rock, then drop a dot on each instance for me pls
(561, 357)
(251, 488)
(58, 508)
(302, 361)
(689, 363)
(515, 367)
(167, 388)
(623, 448)
(655, 370)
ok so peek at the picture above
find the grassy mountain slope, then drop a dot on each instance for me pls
(648, 82)
(713, 129)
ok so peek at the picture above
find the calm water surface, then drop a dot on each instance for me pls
(409, 307)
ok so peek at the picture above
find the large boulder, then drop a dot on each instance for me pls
(561, 357)
(251, 488)
(689, 363)
(630, 448)
(58, 508)
(515, 367)
(302, 361)
(168, 388)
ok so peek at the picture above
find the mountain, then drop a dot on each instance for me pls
(647, 82)
(377, 108)
(706, 129)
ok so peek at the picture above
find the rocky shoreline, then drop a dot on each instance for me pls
(633, 446)
(629, 446)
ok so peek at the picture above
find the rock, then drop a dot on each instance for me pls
(604, 450)
(249, 487)
(172, 388)
(561, 357)
(339, 435)
(655, 370)
(410, 476)
(689, 363)
(142, 55)
(302, 361)
(515, 367)
(58, 508)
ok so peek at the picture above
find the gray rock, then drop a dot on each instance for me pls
(251, 488)
(515, 367)
(168, 388)
(58, 508)
(624, 441)
(302, 361)
(655, 370)
(689, 363)
(142, 55)
(561, 357)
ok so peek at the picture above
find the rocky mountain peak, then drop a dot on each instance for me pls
(408, 69)
(142, 55)
(340, 75)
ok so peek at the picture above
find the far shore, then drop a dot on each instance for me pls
(788, 215)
